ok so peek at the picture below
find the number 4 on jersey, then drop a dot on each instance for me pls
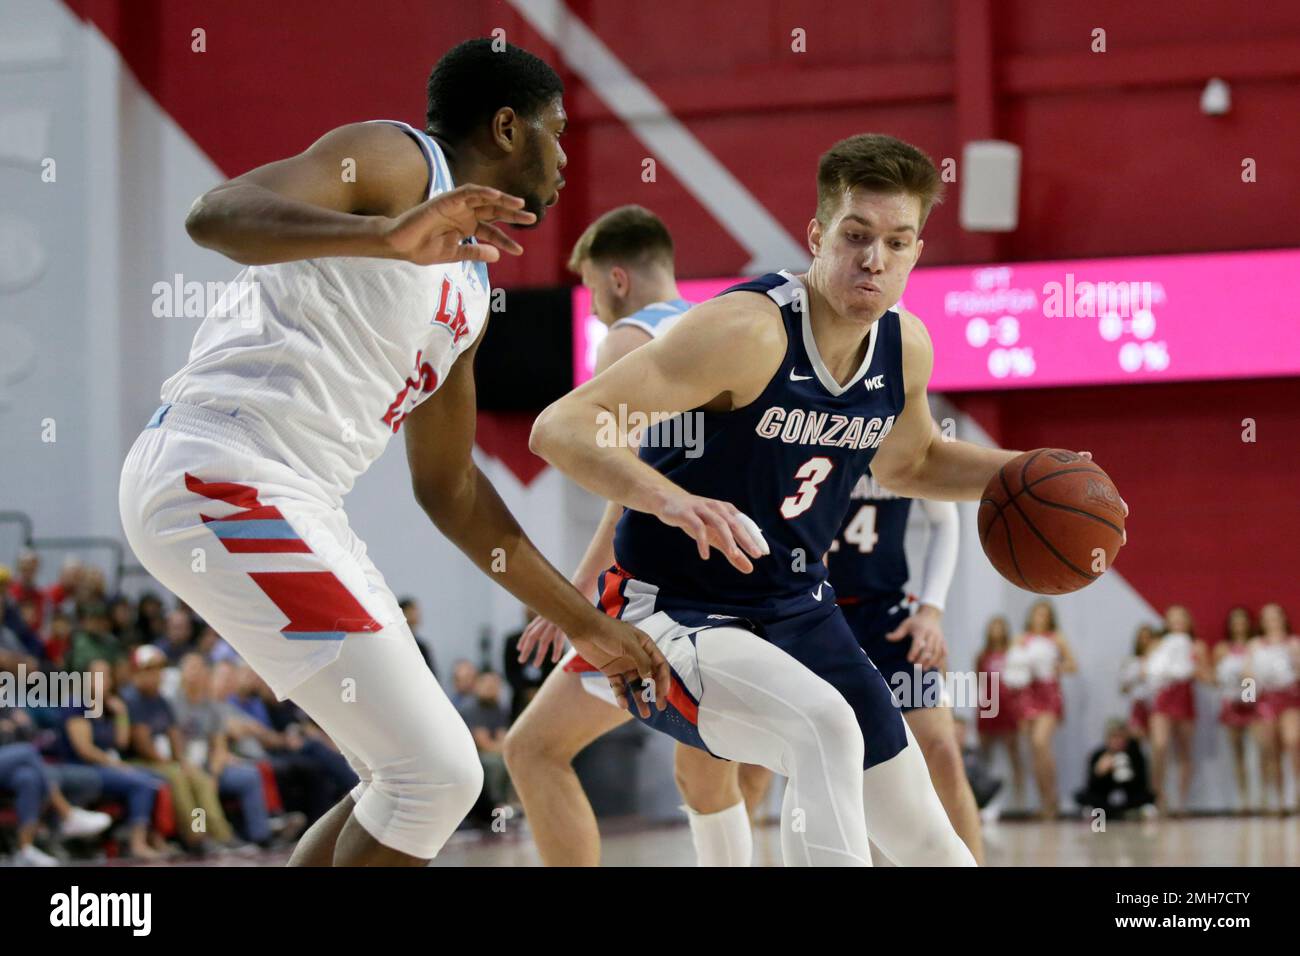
(861, 530)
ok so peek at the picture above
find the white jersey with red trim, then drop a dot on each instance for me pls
(323, 359)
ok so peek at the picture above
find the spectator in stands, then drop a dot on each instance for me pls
(488, 720)
(411, 611)
(29, 779)
(524, 677)
(90, 587)
(1117, 774)
(58, 642)
(157, 746)
(218, 650)
(150, 622)
(95, 639)
(178, 638)
(202, 727)
(463, 676)
(311, 776)
(26, 587)
(121, 621)
(30, 611)
(17, 640)
(99, 742)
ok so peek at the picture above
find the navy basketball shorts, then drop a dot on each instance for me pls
(871, 619)
(815, 634)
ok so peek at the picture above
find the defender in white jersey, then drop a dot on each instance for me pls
(358, 315)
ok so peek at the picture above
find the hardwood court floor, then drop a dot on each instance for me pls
(1194, 841)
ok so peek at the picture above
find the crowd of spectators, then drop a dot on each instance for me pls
(173, 745)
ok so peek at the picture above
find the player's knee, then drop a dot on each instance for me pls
(830, 720)
(942, 755)
(704, 787)
(435, 783)
(529, 746)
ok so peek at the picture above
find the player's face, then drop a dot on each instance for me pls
(540, 177)
(864, 253)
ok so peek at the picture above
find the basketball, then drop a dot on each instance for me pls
(1051, 521)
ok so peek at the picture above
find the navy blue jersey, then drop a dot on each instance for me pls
(788, 460)
(867, 556)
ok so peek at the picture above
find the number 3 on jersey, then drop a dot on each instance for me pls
(813, 472)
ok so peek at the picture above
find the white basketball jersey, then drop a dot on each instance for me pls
(324, 358)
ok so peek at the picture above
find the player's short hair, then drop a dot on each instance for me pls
(473, 81)
(878, 163)
(628, 235)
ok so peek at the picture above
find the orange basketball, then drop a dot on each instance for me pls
(1051, 521)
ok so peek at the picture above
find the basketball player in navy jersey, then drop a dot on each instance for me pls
(799, 383)
(901, 633)
(371, 296)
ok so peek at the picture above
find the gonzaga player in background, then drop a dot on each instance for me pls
(370, 298)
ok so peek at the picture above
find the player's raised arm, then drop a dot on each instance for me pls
(357, 191)
(720, 355)
(914, 460)
(466, 508)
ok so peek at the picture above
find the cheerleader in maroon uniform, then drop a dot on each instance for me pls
(1173, 665)
(1135, 686)
(1001, 684)
(1042, 707)
(1237, 707)
(1274, 664)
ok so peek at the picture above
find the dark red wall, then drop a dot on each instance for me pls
(1118, 160)
(1215, 521)
(1117, 156)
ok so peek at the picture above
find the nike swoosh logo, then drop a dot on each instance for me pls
(798, 378)
(817, 595)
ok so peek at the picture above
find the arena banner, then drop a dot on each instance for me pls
(1082, 322)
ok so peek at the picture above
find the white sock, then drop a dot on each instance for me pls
(722, 838)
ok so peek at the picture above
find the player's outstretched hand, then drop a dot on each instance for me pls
(929, 649)
(625, 654)
(716, 524)
(539, 637)
(434, 231)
